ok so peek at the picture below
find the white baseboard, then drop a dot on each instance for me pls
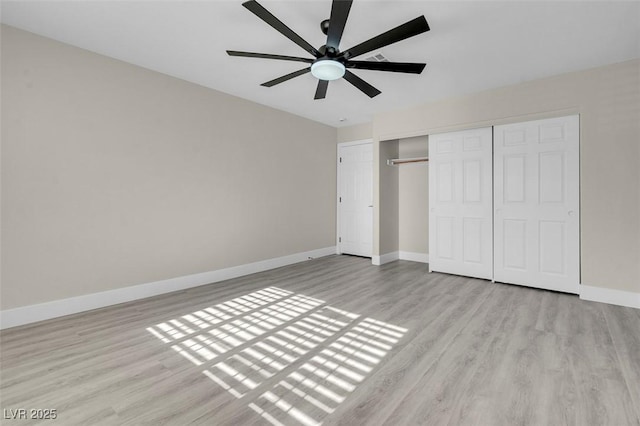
(58, 308)
(414, 257)
(385, 258)
(611, 296)
(399, 255)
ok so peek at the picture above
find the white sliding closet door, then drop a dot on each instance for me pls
(460, 207)
(536, 178)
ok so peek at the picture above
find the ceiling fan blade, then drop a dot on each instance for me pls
(365, 87)
(321, 91)
(408, 29)
(408, 67)
(268, 56)
(286, 77)
(339, 13)
(262, 13)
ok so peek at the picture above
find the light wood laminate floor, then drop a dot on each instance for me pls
(333, 340)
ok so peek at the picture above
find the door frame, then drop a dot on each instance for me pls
(338, 180)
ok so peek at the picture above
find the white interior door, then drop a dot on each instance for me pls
(355, 199)
(460, 205)
(536, 178)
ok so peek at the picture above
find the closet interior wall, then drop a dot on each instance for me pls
(413, 197)
(404, 200)
(389, 197)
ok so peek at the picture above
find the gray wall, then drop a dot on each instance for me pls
(114, 175)
(355, 133)
(608, 101)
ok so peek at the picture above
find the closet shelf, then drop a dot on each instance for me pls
(399, 161)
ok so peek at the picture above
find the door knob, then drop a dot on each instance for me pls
(371, 205)
(570, 213)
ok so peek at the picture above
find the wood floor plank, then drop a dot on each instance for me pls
(433, 398)
(338, 341)
(443, 320)
(623, 325)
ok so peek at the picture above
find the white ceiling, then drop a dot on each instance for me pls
(472, 46)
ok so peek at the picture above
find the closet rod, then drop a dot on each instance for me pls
(398, 161)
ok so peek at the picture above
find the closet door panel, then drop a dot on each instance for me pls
(536, 197)
(460, 203)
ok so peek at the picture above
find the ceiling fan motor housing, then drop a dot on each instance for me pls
(329, 66)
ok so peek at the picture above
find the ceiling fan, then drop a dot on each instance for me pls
(329, 63)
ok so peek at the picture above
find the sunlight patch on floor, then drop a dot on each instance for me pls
(273, 331)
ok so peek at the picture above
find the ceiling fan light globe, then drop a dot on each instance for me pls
(327, 69)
